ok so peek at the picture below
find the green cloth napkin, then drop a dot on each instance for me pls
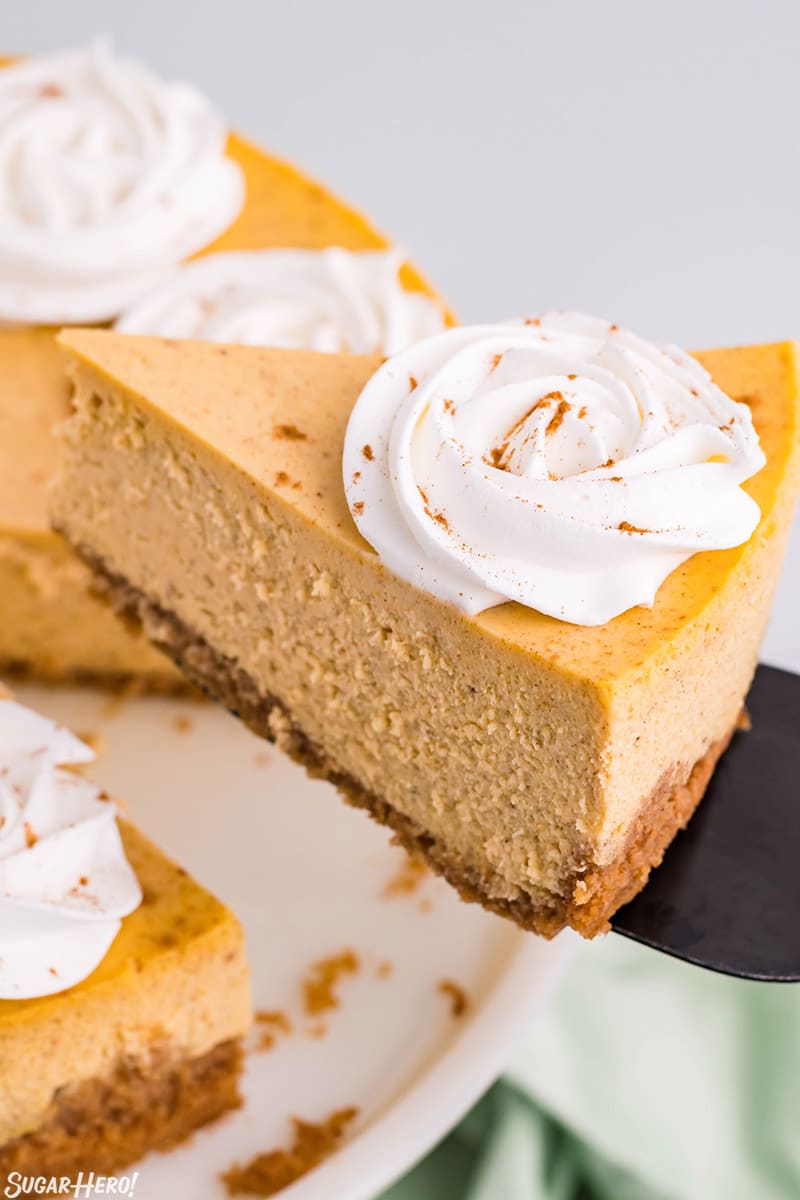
(645, 1079)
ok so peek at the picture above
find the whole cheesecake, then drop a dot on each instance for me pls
(541, 760)
(51, 625)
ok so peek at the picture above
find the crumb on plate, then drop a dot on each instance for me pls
(456, 995)
(269, 1173)
(319, 986)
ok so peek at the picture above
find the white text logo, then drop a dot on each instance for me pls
(83, 1187)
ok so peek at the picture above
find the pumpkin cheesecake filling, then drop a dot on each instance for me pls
(541, 766)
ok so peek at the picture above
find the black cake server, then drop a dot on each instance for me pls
(727, 895)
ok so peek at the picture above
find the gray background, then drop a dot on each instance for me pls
(632, 159)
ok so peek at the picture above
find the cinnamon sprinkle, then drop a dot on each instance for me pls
(438, 517)
(498, 453)
(290, 432)
(557, 418)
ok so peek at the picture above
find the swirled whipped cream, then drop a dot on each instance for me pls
(65, 883)
(560, 462)
(327, 300)
(108, 178)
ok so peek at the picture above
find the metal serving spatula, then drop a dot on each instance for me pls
(727, 895)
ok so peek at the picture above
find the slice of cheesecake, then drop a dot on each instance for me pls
(124, 989)
(541, 766)
(142, 1052)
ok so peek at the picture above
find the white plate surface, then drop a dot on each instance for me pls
(308, 877)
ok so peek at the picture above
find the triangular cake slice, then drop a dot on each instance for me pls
(542, 767)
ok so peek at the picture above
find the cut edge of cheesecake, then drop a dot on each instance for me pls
(598, 881)
(153, 1074)
(596, 893)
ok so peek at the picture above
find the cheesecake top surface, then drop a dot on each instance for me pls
(283, 208)
(282, 426)
(173, 915)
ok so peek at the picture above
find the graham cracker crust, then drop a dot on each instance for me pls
(115, 682)
(104, 1125)
(593, 896)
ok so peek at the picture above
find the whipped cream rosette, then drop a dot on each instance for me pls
(560, 462)
(108, 177)
(65, 883)
(326, 300)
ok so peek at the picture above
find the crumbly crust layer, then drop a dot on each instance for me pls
(123, 682)
(104, 1125)
(600, 891)
(592, 897)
